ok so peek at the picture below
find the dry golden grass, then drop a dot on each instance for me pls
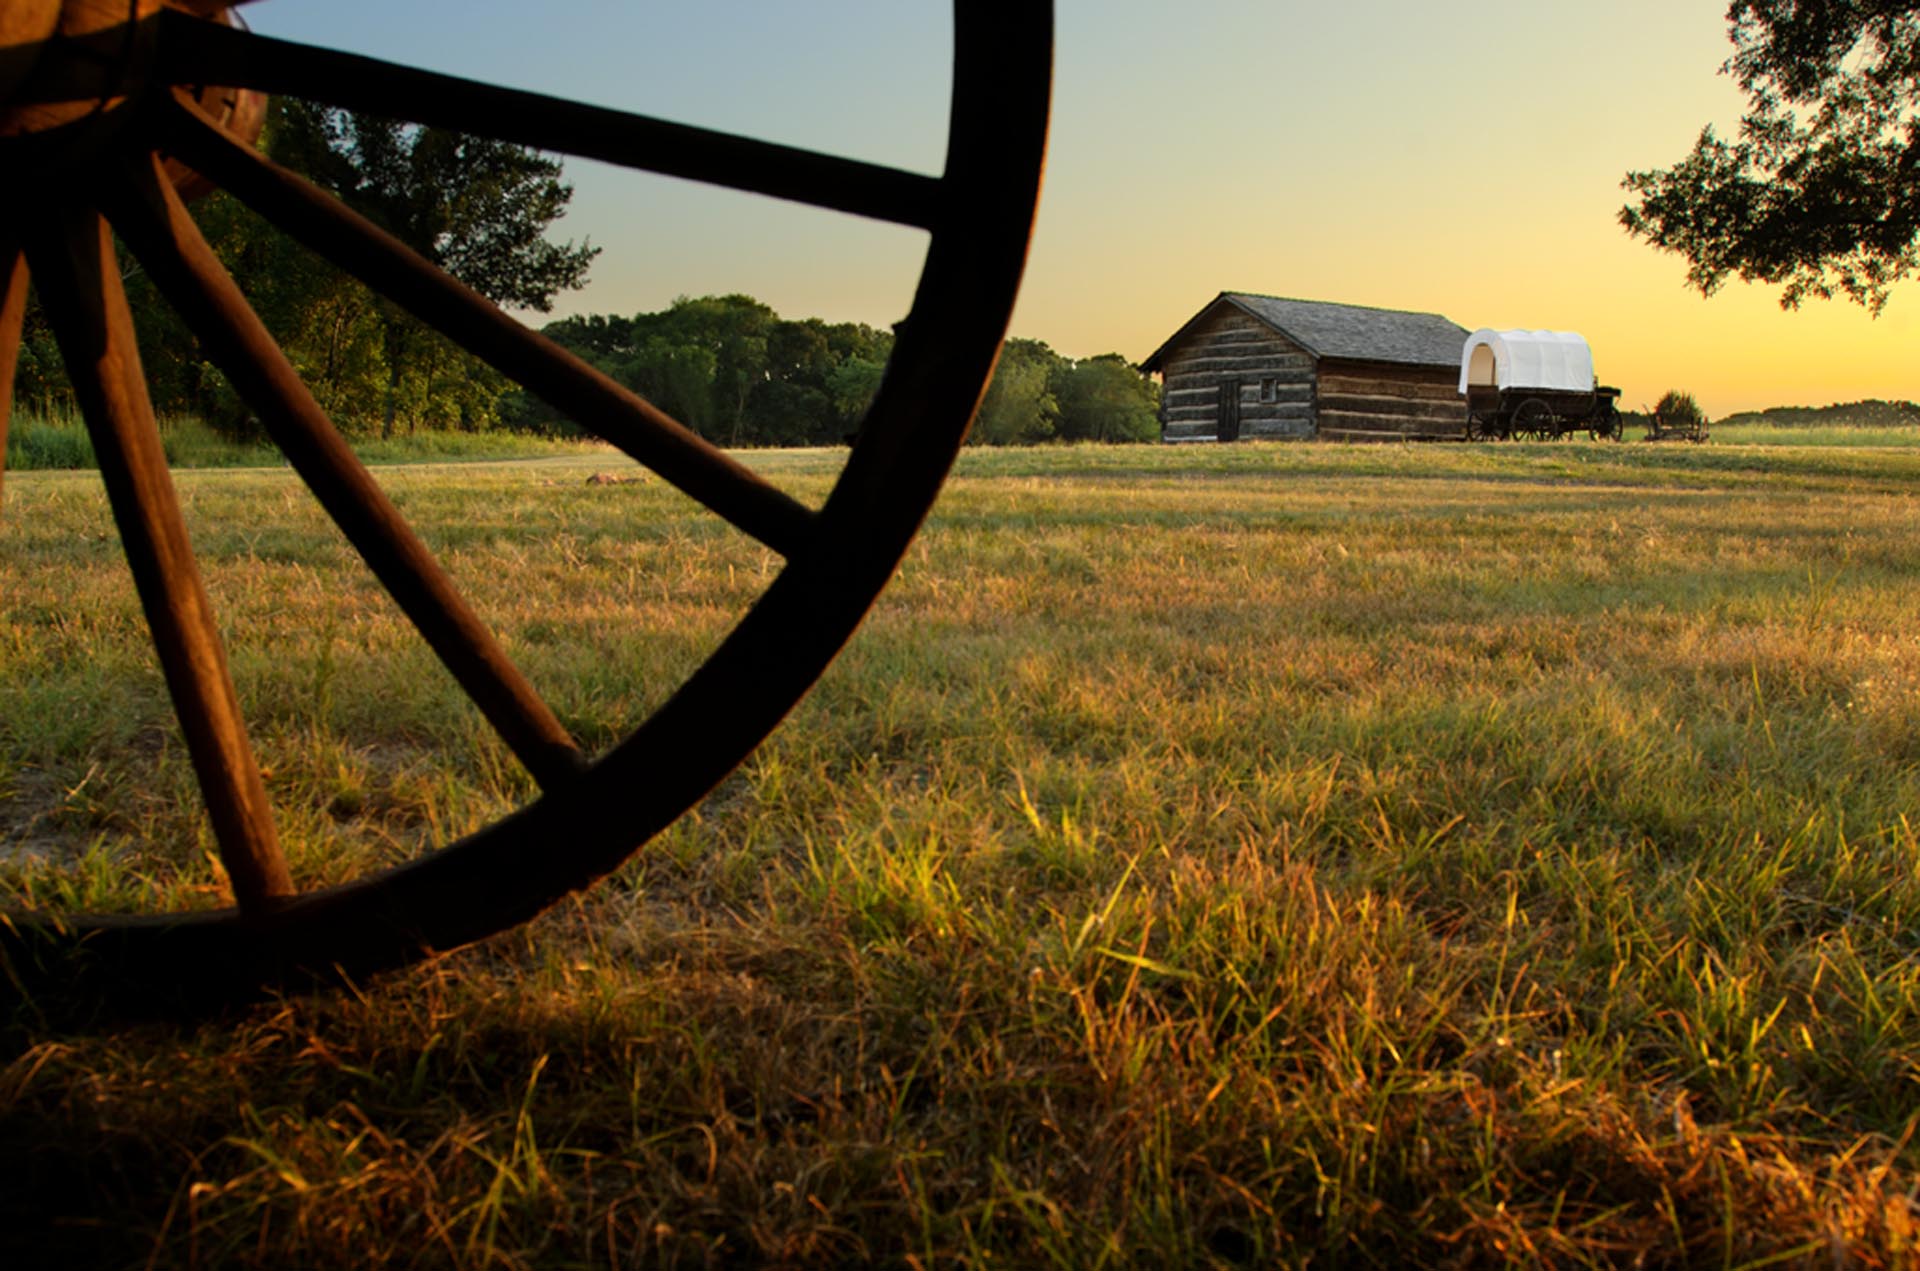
(1250, 856)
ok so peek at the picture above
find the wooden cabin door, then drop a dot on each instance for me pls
(1230, 411)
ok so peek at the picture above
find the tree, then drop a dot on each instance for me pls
(477, 207)
(731, 369)
(677, 377)
(851, 388)
(1105, 398)
(857, 355)
(326, 321)
(323, 320)
(1820, 193)
(1018, 409)
(702, 359)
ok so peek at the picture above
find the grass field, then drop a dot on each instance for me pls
(1768, 435)
(1238, 856)
(58, 441)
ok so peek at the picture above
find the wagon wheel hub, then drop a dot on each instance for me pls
(74, 74)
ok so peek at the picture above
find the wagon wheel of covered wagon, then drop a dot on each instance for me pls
(102, 102)
(1532, 420)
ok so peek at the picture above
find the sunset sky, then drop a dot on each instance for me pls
(1458, 159)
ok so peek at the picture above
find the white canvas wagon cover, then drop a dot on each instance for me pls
(1557, 360)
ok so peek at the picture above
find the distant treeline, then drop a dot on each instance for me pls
(728, 366)
(738, 373)
(1872, 413)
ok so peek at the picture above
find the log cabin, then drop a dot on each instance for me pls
(1259, 366)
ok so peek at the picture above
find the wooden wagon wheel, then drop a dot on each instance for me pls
(1532, 420)
(1606, 424)
(103, 103)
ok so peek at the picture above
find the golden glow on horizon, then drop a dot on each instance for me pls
(1469, 166)
(1387, 152)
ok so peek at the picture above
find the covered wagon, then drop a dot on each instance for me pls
(1534, 385)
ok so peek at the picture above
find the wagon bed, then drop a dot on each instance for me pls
(1534, 385)
(1542, 414)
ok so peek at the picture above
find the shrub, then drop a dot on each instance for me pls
(54, 440)
(1678, 411)
(190, 442)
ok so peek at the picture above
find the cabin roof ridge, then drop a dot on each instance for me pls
(1332, 329)
(1330, 304)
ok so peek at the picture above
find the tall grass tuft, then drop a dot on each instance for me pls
(51, 440)
(56, 439)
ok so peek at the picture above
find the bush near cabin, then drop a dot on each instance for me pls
(1037, 396)
(1678, 411)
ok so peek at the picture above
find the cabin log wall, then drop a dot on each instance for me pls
(1235, 346)
(1382, 401)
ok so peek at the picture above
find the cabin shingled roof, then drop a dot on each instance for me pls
(1352, 332)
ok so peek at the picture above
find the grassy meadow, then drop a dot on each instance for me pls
(1812, 435)
(1231, 856)
(57, 440)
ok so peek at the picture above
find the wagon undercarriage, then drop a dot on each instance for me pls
(1531, 414)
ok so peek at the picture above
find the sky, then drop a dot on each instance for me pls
(1464, 160)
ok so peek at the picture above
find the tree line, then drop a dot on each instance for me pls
(737, 373)
(1870, 413)
(476, 207)
(729, 367)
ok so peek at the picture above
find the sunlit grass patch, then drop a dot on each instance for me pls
(1244, 856)
(1776, 435)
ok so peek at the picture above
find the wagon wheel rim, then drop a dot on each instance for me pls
(1532, 420)
(592, 815)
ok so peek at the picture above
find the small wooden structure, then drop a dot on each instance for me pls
(1534, 386)
(1676, 425)
(1251, 366)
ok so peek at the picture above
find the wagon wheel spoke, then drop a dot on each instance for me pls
(13, 315)
(90, 318)
(980, 213)
(192, 51)
(1533, 421)
(613, 413)
(149, 215)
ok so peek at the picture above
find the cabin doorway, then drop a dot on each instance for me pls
(1229, 411)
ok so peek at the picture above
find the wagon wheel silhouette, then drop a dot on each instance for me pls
(104, 104)
(1533, 420)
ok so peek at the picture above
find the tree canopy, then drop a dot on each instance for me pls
(480, 209)
(729, 367)
(1037, 395)
(477, 207)
(1820, 192)
(1105, 398)
(738, 373)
